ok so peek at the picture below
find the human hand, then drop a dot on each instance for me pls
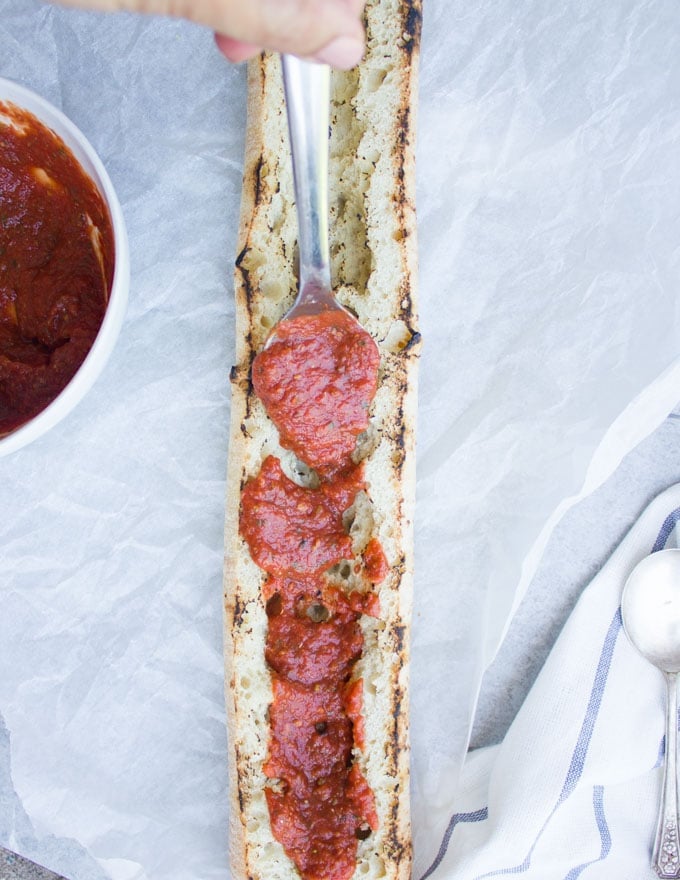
(323, 30)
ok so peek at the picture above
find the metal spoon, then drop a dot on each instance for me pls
(650, 608)
(307, 89)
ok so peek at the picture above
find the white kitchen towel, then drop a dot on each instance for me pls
(573, 789)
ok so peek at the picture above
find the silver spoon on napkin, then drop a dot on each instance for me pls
(650, 608)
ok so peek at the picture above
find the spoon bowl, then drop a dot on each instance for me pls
(650, 610)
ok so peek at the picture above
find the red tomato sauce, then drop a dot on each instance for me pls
(289, 528)
(375, 562)
(54, 282)
(317, 383)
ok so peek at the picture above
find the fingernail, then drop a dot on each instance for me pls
(342, 52)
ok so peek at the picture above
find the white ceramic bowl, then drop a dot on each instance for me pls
(94, 363)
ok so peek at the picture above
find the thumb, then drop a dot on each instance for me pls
(325, 30)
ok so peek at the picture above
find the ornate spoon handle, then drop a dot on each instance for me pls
(666, 852)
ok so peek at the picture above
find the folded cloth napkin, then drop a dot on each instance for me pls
(573, 789)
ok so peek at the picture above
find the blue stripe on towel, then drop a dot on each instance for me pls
(476, 816)
(580, 751)
(668, 525)
(602, 827)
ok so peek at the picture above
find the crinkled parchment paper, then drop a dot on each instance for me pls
(549, 195)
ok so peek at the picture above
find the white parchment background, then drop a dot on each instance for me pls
(549, 201)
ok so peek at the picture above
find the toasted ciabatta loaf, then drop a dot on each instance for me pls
(373, 249)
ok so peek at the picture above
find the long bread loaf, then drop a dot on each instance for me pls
(373, 250)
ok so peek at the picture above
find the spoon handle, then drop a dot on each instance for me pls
(307, 88)
(666, 852)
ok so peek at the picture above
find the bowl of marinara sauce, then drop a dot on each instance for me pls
(64, 266)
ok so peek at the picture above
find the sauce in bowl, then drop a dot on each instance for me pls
(56, 265)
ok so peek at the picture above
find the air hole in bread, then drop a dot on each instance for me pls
(278, 785)
(270, 852)
(367, 443)
(273, 290)
(368, 160)
(250, 425)
(277, 213)
(359, 522)
(375, 868)
(252, 260)
(300, 473)
(345, 578)
(398, 337)
(375, 78)
(274, 605)
(348, 518)
(379, 868)
(317, 613)
(344, 87)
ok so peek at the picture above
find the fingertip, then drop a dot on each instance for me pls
(235, 51)
(342, 53)
(357, 7)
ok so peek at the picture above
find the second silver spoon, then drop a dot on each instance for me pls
(650, 608)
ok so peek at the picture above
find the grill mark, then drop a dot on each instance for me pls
(257, 177)
(248, 295)
(413, 23)
(239, 611)
(415, 340)
(239, 787)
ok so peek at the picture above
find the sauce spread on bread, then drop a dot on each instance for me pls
(291, 528)
(317, 380)
(54, 280)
